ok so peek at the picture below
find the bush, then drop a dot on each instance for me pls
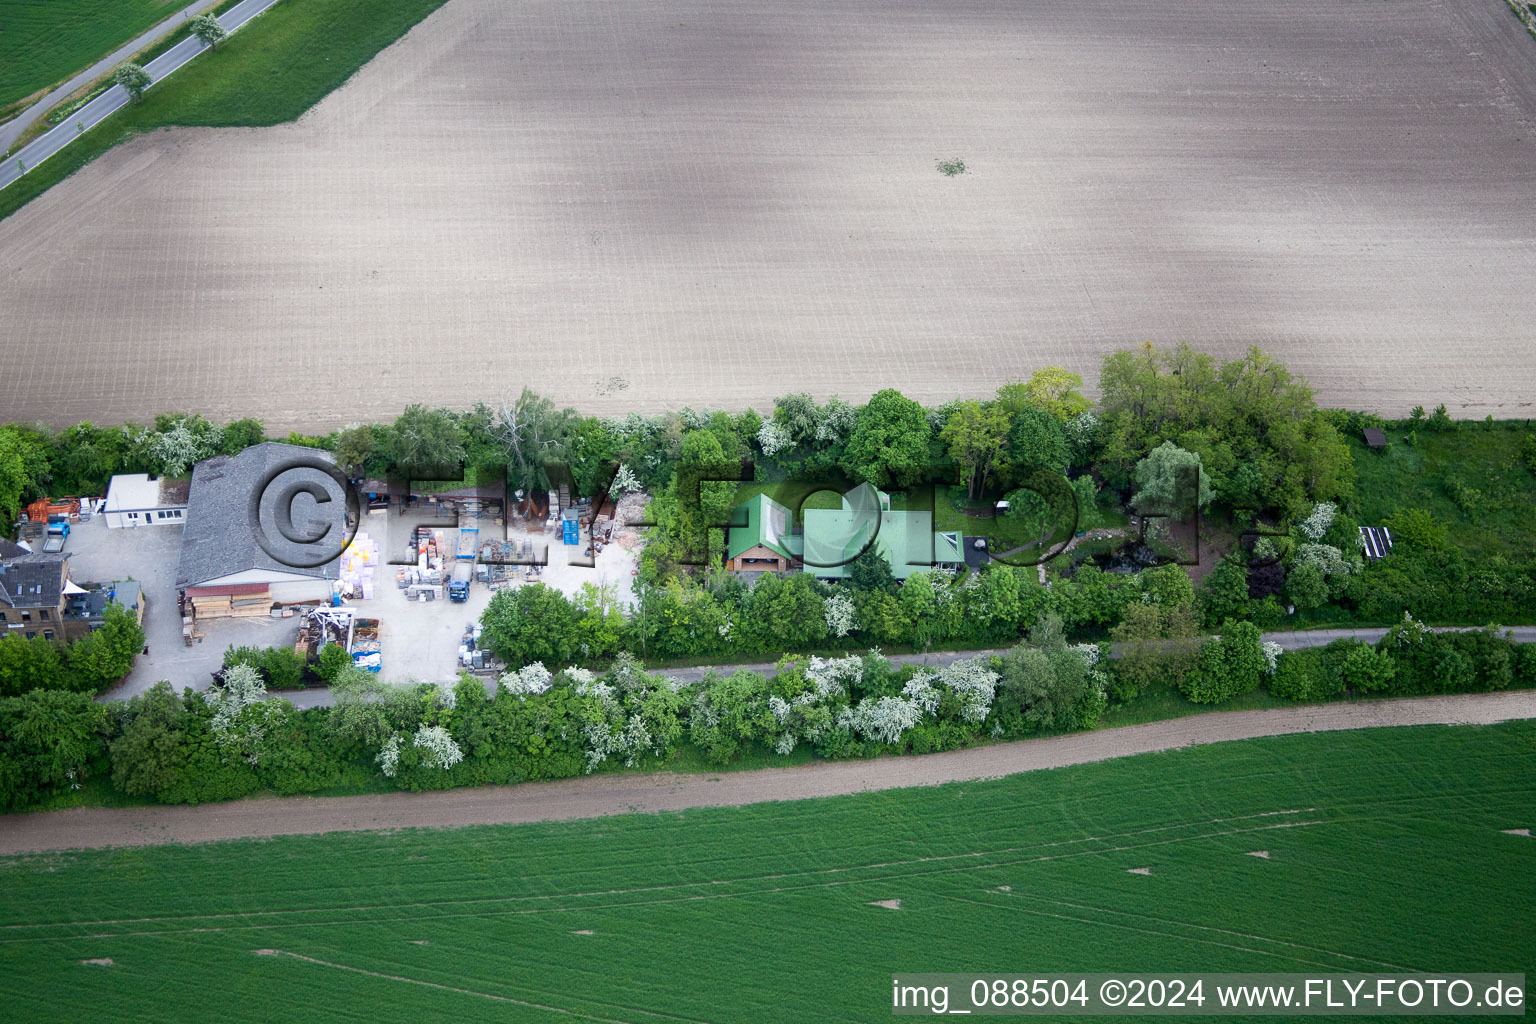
(1418, 528)
(1367, 670)
(280, 667)
(1301, 676)
(1229, 664)
(334, 659)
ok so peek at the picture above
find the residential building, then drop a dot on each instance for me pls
(32, 592)
(762, 537)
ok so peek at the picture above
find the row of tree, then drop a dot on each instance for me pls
(237, 739)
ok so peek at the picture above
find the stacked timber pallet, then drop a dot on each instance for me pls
(239, 606)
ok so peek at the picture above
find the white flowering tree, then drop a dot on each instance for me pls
(1316, 525)
(530, 680)
(243, 715)
(183, 445)
(883, 719)
(438, 750)
(841, 619)
(773, 438)
(1271, 656)
(835, 677)
(624, 482)
(976, 686)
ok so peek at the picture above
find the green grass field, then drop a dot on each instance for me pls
(43, 42)
(1422, 475)
(269, 72)
(1385, 854)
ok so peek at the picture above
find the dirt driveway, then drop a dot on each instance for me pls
(598, 796)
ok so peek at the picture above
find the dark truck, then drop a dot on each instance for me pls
(458, 585)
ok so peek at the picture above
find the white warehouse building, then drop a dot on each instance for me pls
(138, 499)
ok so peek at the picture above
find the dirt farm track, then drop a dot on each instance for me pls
(630, 204)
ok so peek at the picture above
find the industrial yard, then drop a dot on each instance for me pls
(635, 206)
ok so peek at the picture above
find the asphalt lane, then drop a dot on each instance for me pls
(116, 97)
(1291, 641)
(12, 129)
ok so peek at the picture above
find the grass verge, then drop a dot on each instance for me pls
(268, 72)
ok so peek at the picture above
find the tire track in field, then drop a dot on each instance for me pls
(1146, 931)
(597, 796)
(480, 995)
(1203, 927)
(774, 876)
(924, 871)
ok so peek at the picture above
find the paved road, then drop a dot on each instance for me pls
(116, 97)
(602, 795)
(1291, 641)
(12, 129)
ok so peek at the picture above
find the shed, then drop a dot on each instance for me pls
(1375, 438)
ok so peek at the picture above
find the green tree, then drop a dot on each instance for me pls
(785, 614)
(334, 660)
(1170, 482)
(1052, 390)
(1036, 438)
(1166, 585)
(890, 441)
(207, 28)
(881, 616)
(133, 78)
(1158, 646)
(871, 571)
(27, 665)
(426, 439)
(1041, 688)
(355, 446)
(975, 435)
(48, 739)
(532, 623)
(104, 656)
(1306, 586)
(20, 463)
(241, 434)
(151, 755)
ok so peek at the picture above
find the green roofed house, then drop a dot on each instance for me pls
(762, 537)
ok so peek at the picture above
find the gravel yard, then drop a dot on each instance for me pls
(631, 204)
(148, 554)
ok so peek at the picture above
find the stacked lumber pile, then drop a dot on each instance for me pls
(239, 606)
